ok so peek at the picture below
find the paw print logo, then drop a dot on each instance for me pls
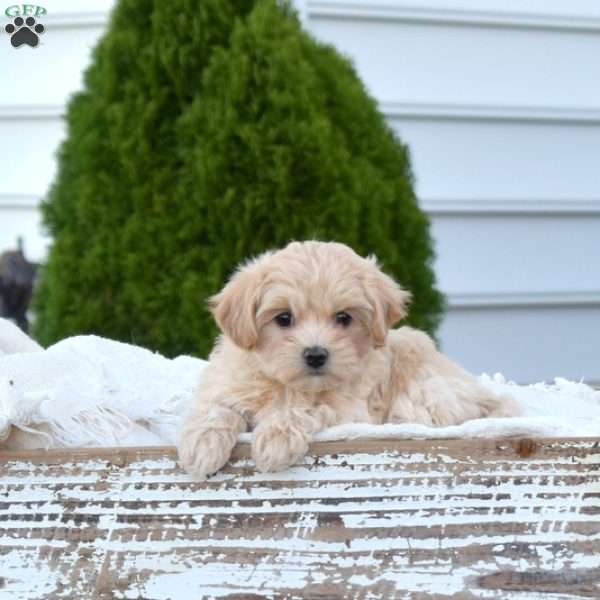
(24, 32)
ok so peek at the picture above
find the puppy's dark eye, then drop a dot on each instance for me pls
(343, 318)
(284, 319)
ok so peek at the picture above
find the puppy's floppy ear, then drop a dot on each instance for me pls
(234, 307)
(388, 300)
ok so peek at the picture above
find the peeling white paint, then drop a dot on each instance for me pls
(177, 537)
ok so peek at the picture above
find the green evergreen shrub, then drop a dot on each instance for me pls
(206, 133)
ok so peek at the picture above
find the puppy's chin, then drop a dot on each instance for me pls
(314, 382)
(310, 382)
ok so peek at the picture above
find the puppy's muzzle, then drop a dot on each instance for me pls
(315, 357)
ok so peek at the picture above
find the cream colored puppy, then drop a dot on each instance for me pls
(307, 344)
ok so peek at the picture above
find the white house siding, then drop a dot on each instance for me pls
(500, 105)
(35, 84)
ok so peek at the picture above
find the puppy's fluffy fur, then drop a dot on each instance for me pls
(258, 376)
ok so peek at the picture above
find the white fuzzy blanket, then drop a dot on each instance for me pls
(90, 391)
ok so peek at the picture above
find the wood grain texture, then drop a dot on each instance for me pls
(364, 519)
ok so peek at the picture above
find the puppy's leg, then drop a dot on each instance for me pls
(498, 406)
(441, 401)
(283, 434)
(207, 439)
(429, 388)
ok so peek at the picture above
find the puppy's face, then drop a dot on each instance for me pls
(310, 313)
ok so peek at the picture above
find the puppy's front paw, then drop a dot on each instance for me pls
(277, 447)
(203, 449)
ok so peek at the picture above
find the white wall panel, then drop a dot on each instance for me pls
(27, 154)
(495, 159)
(515, 254)
(48, 74)
(526, 344)
(512, 13)
(456, 63)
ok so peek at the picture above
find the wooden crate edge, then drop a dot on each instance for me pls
(517, 447)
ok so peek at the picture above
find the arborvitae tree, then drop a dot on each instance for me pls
(209, 132)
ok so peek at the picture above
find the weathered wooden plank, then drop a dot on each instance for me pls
(362, 519)
(512, 448)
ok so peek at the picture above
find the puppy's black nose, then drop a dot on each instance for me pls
(315, 356)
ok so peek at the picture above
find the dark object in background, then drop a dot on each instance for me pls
(17, 276)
